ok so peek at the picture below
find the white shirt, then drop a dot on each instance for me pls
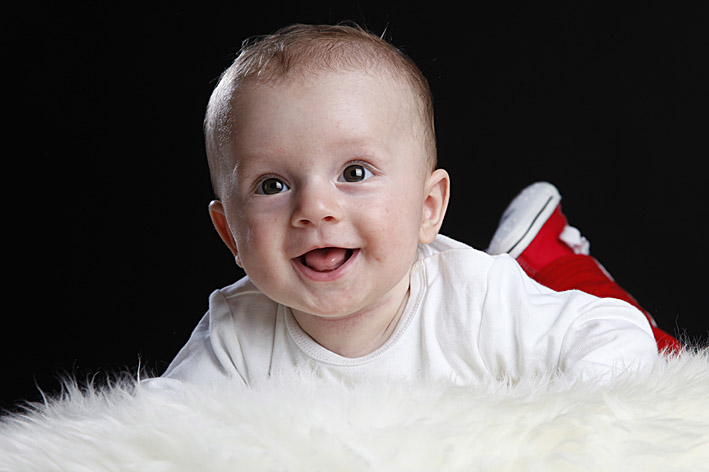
(469, 316)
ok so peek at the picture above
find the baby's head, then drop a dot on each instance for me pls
(299, 51)
(322, 151)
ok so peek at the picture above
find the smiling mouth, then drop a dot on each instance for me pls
(326, 259)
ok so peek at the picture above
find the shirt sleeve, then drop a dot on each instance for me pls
(234, 341)
(197, 361)
(529, 329)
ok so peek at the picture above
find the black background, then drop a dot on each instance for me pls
(110, 253)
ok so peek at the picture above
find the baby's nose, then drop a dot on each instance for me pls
(316, 205)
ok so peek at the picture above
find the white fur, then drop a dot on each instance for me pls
(658, 420)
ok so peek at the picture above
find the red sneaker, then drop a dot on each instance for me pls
(534, 231)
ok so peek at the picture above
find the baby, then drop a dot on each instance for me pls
(321, 147)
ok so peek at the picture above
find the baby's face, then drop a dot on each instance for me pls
(326, 193)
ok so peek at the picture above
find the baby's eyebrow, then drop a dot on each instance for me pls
(254, 164)
(262, 155)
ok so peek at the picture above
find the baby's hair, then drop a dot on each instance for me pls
(302, 48)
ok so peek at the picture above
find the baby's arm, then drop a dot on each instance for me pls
(572, 332)
(607, 338)
(197, 361)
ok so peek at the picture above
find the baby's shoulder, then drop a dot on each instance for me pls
(241, 303)
(463, 262)
(243, 286)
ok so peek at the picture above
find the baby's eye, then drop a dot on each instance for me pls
(272, 186)
(355, 173)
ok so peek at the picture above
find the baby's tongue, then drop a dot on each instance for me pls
(325, 259)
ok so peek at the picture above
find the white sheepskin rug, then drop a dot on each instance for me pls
(657, 420)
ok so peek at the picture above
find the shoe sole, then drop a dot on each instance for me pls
(523, 219)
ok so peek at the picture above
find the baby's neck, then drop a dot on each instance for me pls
(358, 334)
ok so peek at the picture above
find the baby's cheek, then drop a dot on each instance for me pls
(254, 229)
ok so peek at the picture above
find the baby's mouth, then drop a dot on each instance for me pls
(326, 259)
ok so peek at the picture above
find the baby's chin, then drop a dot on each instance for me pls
(340, 314)
(368, 308)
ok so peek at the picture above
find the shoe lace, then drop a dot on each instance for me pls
(573, 238)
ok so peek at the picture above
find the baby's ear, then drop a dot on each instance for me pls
(434, 205)
(216, 212)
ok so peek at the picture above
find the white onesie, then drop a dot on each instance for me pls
(469, 316)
